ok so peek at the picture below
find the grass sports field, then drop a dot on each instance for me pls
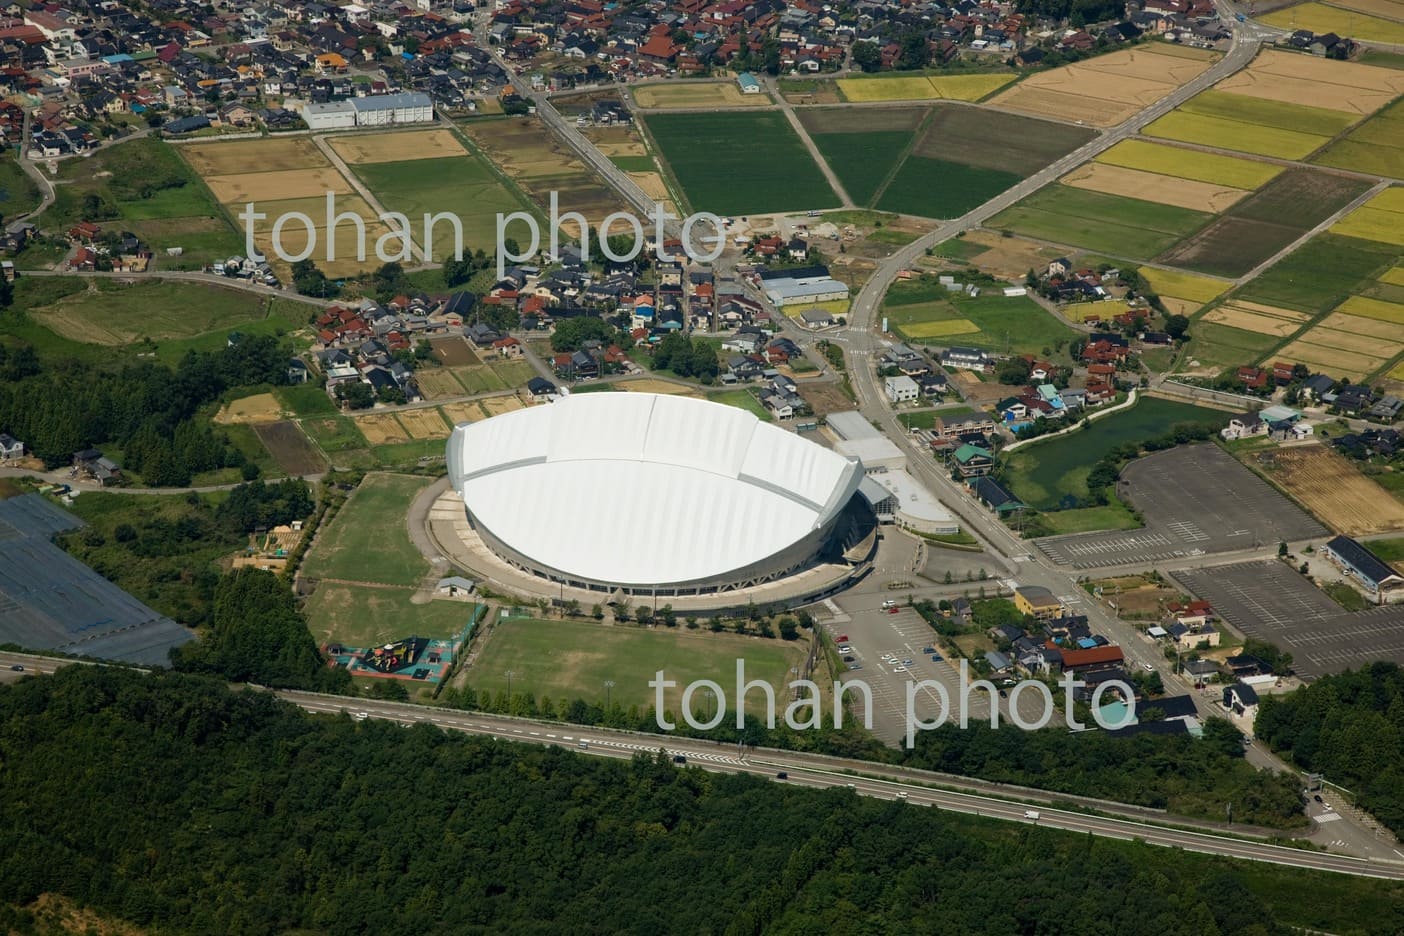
(1109, 224)
(1376, 146)
(923, 87)
(1107, 89)
(772, 171)
(924, 313)
(1183, 163)
(1044, 474)
(1265, 222)
(367, 540)
(1321, 18)
(573, 659)
(370, 617)
(1321, 273)
(700, 94)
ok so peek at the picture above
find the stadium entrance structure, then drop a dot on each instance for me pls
(649, 496)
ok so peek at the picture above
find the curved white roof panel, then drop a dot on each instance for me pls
(645, 489)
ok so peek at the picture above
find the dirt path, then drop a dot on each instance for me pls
(814, 153)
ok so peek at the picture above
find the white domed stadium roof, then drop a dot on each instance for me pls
(643, 489)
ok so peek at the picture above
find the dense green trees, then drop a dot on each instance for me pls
(1350, 728)
(571, 333)
(267, 505)
(172, 803)
(687, 357)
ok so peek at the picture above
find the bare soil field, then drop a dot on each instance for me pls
(424, 424)
(454, 352)
(1131, 78)
(1251, 321)
(278, 185)
(496, 406)
(1166, 190)
(1331, 488)
(262, 155)
(259, 408)
(697, 94)
(437, 383)
(616, 141)
(291, 449)
(1008, 257)
(825, 398)
(462, 412)
(381, 429)
(397, 147)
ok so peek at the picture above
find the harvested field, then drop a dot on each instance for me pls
(527, 151)
(397, 147)
(262, 155)
(454, 352)
(1250, 321)
(457, 413)
(1291, 78)
(315, 207)
(281, 185)
(1386, 9)
(1363, 344)
(991, 140)
(652, 385)
(437, 383)
(616, 141)
(1289, 314)
(655, 188)
(1185, 307)
(1391, 312)
(917, 88)
(496, 406)
(1183, 285)
(1389, 332)
(1106, 89)
(825, 398)
(1230, 134)
(1335, 362)
(1333, 489)
(381, 428)
(1165, 159)
(1164, 189)
(290, 448)
(259, 408)
(696, 94)
(424, 424)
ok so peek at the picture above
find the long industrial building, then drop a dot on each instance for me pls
(380, 110)
(648, 494)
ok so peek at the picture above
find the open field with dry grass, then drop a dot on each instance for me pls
(1163, 189)
(496, 406)
(436, 383)
(457, 413)
(696, 94)
(381, 428)
(454, 352)
(262, 155)
(616, 141)
(1354, 324)
(1008, 257)
(277, 185)
(250, 410)
(923, 87)
(1109, 88)
(1333, 489)
(424, 424)
(1214, 168)
(1333, 361)
(396, 147)
(653, 385)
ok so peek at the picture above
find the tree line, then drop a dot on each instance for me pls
(170, 802)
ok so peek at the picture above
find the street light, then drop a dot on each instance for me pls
(608, 685)
(509, 674)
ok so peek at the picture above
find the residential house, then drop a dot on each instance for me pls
(10, 447)
(946, 427)
(1037, 601)
(993, 495)
(972, 461)
(1317, 386)
(1094, 659)
(901, 389)
(1192, 637)
(508, 347)
(966, 359)
(542, 390)
(1241, 699)
(1243, 426)
(95, 464)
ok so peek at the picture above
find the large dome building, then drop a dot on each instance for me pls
(648, 494)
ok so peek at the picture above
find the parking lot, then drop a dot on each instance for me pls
(1196, 500)
(887, 655)
(1271, 601)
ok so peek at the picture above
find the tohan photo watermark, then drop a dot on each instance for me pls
(806, 710)
(397, 244)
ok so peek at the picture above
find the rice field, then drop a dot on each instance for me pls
(1320, 18)
(1183, 285)
(940, 329)
(1182, 163)
(923, 87)
(1224, 133)
(1380, 219)
(1373, 309)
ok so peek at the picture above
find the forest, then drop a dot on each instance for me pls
(170, 802)
(1348, 727)
(147, 410)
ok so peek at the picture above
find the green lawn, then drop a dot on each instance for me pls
(333, 433)
(465, 186)
(740, 163)
(1088, 519)
(1046, 473)
(862, 160)
(1014, 324)
(306, 400)
(408, 454)
(926, 419)
(1321, 273)
(938, 188)
(634, 163)
(958, 248)
(367, 540)
(573, 659)
(742, 399)
(1345, 596)
(1221, 346)
(369, 617)
(112, 312)
(513, 373)
(18, 193)
(1110, 224)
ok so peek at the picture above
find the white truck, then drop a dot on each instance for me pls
(1031, 814)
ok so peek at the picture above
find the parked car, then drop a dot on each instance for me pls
(782, 776)
(848, 659)
(679, 759)
(17, 668)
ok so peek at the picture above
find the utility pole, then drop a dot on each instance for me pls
(608, 685)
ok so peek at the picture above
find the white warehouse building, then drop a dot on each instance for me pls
(380, 110)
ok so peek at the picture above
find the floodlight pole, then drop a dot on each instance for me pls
(509, 675)
(608, 685)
